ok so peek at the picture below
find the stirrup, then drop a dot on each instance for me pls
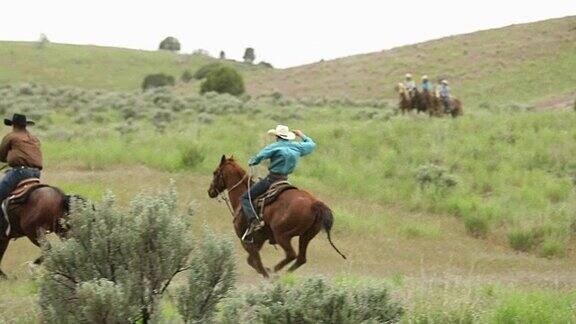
(254, 226)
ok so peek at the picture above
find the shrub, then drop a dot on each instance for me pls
(117, 263)
(525, 240)
(223, 80)
(476, 226)
(157, 80)
(193, 156)
(222, 55)
(186, 76)
(206, 69)
(313, 301)
(265, 65)
(212, 275)
(552, 248)
(432, 175)
(42, 41)
(249, 55)
(170, 44)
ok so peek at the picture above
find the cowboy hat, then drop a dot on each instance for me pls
(18, 120)
(445, 82)
(408, 76)
(424, 77)
(282, 132)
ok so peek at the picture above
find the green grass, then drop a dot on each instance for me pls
(514, 171)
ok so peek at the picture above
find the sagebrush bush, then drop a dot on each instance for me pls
(186, 76)
(211, 277)
(129, 255)
(157, 80)
(192, 156)
(223, 80)
(433, 175)
(203, 72)
(315, 300)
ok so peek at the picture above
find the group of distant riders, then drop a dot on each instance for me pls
(427, 97)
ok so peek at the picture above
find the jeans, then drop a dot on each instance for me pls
(13, 177)
(256, 190)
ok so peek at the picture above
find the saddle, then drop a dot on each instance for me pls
(23, 187)
(270, 196)
(19, 196)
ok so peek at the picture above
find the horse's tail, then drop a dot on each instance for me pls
(325, 214)
(67, 202)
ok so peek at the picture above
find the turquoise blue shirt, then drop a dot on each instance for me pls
(284, 154)
(427, 86)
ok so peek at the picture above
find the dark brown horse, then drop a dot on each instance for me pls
(294, 213)
(457, 109)
(40, 213)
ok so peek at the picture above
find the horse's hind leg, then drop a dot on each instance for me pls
(303, 242)
(3, 245)
(284, 242)
(39, 239)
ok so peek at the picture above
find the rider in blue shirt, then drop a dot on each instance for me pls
(426, 84)
(284, 155)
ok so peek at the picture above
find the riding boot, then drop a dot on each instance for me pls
(254, 226)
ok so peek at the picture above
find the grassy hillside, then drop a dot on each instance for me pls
(516, 64)
(522, 64)
(91, 66)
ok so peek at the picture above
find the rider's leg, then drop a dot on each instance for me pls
(256, 190)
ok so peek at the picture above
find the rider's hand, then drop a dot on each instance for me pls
(298, 133)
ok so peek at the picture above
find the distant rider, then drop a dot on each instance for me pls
(410, 85)
(284, 155)
(426, 84)
(445, 96)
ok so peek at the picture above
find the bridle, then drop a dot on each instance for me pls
(224, 197)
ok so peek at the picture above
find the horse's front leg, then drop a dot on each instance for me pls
(3, 246)
(254, 259)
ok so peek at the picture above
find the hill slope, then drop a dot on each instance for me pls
(527, 63)
(91, 66)
(519, 63)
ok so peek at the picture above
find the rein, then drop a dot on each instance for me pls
(223, 197)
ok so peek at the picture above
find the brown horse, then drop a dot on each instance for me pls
(456, 108)
(39, 213)
(405, 104)
(294, 213)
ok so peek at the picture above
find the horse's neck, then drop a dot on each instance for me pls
(236, 193)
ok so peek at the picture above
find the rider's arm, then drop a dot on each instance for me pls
(4, 148)
(266, 153)
(306, 146)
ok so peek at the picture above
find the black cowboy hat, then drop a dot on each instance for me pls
(18, 120)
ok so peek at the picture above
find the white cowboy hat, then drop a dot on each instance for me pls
(424, 77)
(408, 76)
(445, 82)
(282, 132)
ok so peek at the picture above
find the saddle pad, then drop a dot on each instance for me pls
(271, 195)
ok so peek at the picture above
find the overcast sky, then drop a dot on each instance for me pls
(284, 33)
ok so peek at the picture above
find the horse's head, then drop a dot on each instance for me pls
(400, 88)
(221, 175)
